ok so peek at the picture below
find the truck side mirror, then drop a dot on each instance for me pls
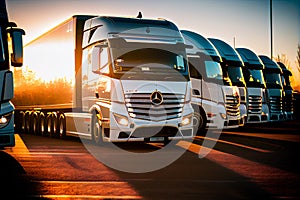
(17, 46)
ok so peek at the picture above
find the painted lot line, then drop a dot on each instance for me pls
(275, 181)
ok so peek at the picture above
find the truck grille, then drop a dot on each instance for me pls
(232, 105)
(275, 104)
(255, 104)
(139, 106)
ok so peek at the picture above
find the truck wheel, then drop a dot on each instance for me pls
(62, 126)
(54, 126)
(42, 125)
(199, 123)
(35, 124)
(49, 125)
(27, 122)
(96, 130)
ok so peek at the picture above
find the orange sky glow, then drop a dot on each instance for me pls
(244, 23)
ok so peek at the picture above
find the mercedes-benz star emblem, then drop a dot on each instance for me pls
(156, 98)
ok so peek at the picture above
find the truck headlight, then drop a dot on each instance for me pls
(223, 115)
(186, 120)
(120, 119)
(5, 119)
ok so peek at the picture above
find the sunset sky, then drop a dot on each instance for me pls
(248, 21)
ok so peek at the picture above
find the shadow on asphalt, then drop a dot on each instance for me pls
(14, 182)
(281, 127)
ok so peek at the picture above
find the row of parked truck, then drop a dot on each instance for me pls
(254, 88)
(116, 79)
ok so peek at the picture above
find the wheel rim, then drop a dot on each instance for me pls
(49, 125)
(42, 125)
(34, 126)
(62, 131)
(96, 131)
(197, 122)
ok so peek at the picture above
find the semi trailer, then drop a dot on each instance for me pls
(272, 75)
(257, 107)
(216, 102)
(288, 97)
(232, 66)
(11, 54)
(108, 79)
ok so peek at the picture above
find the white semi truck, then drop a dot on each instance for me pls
(108, 79)
(257, 107)
(288, 98)
(232, 65)
(272, 75)
(215, 102)
(11, 54)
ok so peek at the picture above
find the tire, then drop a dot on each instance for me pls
(199, 122)
(62, 126)
(35, 124)
(42, 125)
(97, 135)
(49, 125)
(27, 122)
(54, 126)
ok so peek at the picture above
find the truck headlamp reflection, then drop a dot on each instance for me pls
(4, 119)
(120, 119)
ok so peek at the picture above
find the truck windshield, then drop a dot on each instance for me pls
(236, 76)
(149, 64)
(255, 78)
(209, 70)
(213, 71)
(273, 80)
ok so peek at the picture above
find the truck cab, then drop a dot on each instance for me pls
(232, 66)
(11, 54)
(135, 80)
(257, 108)
(272, 76)
(120, 80)
(288, 98)
(209, 92)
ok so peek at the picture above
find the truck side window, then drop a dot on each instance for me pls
(194, 72)
(99, 60)
(104, 58)
(194, 67)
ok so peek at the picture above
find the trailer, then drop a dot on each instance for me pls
(257, 107)
(210, 97)
(107, 79)
(232, 66)
(11, 54)
(288, 97)
(272, 75)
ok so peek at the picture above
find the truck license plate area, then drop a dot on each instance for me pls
(155, 139)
